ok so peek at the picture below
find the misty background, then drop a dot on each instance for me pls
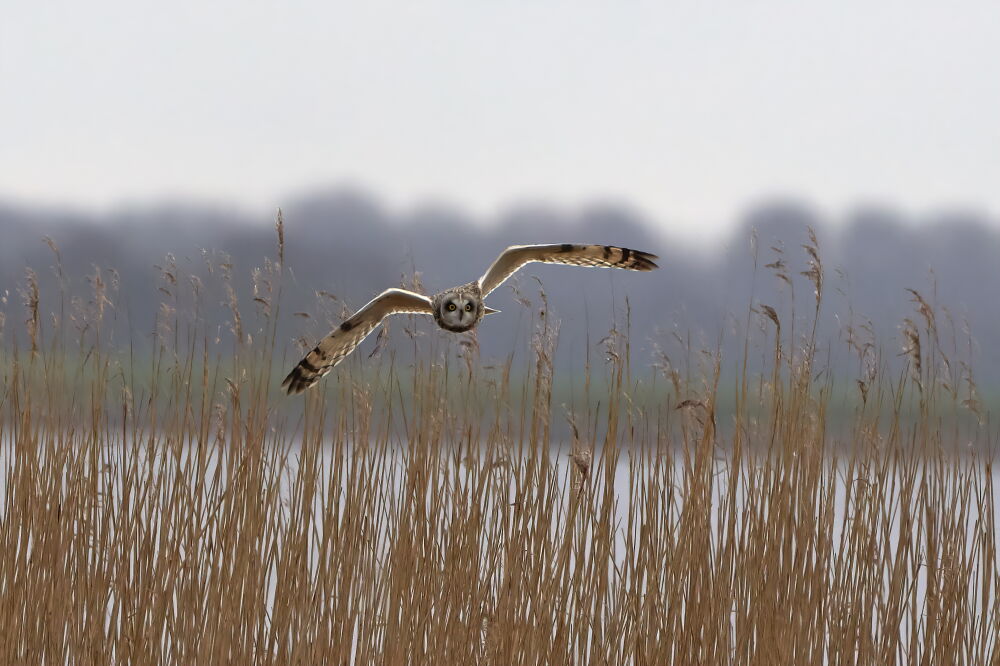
(346, 243)
(403, 138)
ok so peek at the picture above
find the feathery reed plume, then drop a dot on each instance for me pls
(912, 349)
(279, 226)
(29, 297)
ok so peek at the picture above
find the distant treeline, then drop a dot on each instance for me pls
(346, 244)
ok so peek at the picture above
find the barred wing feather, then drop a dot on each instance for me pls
(609, 256)
(342, 340)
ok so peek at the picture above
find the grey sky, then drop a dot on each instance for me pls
(687, 110)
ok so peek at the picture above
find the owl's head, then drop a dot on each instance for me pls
(459, 310)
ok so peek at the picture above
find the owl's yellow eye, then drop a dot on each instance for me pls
(468, 307)
(451, 307)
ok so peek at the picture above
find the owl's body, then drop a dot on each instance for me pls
(457, 309)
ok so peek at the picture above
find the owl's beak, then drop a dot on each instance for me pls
(488, 310)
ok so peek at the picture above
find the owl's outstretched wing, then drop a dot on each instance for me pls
(516, 256)
(342, 340)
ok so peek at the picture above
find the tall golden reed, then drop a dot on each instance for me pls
(171, 507)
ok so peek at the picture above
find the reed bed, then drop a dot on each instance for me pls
(173, 507)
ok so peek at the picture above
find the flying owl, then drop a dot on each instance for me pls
(457, 309)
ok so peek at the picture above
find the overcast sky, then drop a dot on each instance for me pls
(688, 111)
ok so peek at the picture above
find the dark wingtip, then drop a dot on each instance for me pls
(296, 382)
(643, 261)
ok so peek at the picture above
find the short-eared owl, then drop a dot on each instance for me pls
(457, 309)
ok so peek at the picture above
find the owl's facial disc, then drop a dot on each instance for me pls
(458, 312)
